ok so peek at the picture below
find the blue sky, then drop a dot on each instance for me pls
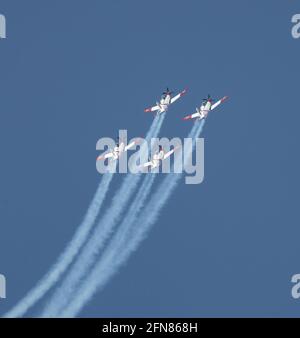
(75, 71)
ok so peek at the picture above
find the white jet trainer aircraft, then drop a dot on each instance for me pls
(117, 151)
(158, 157)
(206, 107)
(165, 101)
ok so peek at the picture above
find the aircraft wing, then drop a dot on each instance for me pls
(105, 156)
(151, 109)
(130, 145)
(192, 116)
(215, 105)
(169, 153)
(147, 164)
(175, 98)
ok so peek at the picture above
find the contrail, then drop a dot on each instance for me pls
(102, 232)
(121, 248)
(66, 258)
(121, 237)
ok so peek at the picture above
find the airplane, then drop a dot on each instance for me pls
(158, 157)
(206, 107)
(165, 102)
(117, 151)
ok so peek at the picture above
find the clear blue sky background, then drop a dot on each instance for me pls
(74, 71)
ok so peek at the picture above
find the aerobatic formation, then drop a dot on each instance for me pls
(167, 98)
(105, 239)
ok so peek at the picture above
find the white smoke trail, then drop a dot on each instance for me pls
(68, 255)
(120, 250)
(102, 232)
